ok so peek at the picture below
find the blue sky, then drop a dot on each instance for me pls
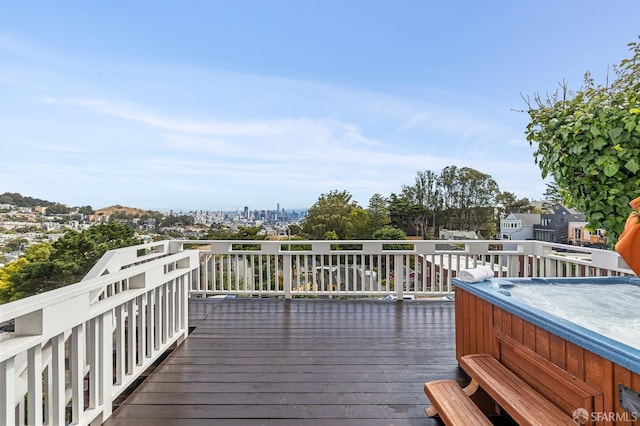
(226, 104)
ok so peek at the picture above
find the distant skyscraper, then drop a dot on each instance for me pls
(278, 208)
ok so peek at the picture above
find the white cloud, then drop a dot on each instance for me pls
(159, 128)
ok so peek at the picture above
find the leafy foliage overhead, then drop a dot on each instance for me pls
(589, 141)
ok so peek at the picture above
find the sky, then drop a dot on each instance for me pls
(218, 105)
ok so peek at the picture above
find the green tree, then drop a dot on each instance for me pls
(589, 142)
(26, 229)
(250, 233)
(360, 224)
(242, 233)
(20, 201)
(295, 230)
(403, 213)
(8, 291)
(46, 267)
(330, 235)
(469, 197)
(57, 208)
(87, 210)
(11, 286)
(15, 244)
(552, 196)
(424, 195)
(176, 220)
(512, 204)
(378, 210)
(330, 214)
(389, 233)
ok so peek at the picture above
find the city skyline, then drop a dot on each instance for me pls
(170, 210)
(199, 104)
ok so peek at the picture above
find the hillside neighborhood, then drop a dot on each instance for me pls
(23, 226)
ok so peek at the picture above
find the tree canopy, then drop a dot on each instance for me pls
(242, 233)
(47, 266)
(330, 215)
(589, 141)
(457, 198)
(19, 200)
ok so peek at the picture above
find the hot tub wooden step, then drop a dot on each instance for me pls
(452, 404)
(522, 402)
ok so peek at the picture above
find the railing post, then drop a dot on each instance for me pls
(184, 306)
(398, 275)
(150, 323)
(92, 354)
(34, 392)
(287, 275)
(120, 362)
(106, 363)
(8, 392)
(57, 380)
(77, 373)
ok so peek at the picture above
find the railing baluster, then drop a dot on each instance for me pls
(141, 329)
(105, 362)
(57, 386)
(131, 337)
(47, 397)
(77, 373)
(92, 361)
(287, 275)
(8, 391)
(164, 309)
(157, 318)
(120, 361)
(150, 324)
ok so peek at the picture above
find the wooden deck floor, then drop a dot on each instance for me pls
(301, 362)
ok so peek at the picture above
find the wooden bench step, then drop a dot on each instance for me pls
(453, 405)
(523, 403)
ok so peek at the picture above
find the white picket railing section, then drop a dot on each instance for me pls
(75, 349)
(404, 269)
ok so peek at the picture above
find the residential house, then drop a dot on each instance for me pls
(554, 227)
(579, 235)
(518, 226)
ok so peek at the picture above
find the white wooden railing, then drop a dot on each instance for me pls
(75, 349)
(403, 269)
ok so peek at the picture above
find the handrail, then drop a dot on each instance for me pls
(366, 268)
(62, 351)
(90, 340)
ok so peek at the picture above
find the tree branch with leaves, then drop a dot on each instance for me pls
(589, 142)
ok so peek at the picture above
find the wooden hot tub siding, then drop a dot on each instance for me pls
(479, 323)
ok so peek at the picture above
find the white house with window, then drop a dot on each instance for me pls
(518, 226)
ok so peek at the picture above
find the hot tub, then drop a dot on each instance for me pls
(589, 328)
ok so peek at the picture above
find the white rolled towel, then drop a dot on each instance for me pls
(476, 275)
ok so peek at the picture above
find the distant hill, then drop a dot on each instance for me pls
(130, 211)
(19, 200)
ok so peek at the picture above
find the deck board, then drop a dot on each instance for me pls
(314, 362)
